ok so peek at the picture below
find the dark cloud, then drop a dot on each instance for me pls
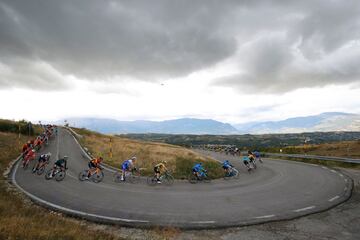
(100, 39)
(278, 45)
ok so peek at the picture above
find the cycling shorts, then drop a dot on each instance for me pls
(91, 165)
(156, 170)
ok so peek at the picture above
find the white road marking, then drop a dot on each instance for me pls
(304, 209)
(203, 222)
(70, 175)
(324, 167)
(341, 175)
(333, 171)
(334, 198)
(265, 216)
(346, 180)
(313, 164)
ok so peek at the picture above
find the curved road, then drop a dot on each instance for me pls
(277, 190)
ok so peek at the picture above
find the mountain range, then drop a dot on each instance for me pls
(325, 122)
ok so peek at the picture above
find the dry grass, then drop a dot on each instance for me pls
(26, 221)
(349, 149)
(147, 153)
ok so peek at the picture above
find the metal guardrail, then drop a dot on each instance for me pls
(315, 157)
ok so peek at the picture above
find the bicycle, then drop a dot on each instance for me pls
(165, 178)
(26, 161)
(96, 175)
(203, 177)
(57, 172)
(132, 176)
(40, 167)
(232, 173)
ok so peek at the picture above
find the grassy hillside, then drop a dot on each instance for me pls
(180, 160)
(349, 149)
(24, 221)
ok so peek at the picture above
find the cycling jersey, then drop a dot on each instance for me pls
(127, 164)
(42, 158)
(30, 155)
(159, 167)
(95, 162)
(226, 165)
(197, 168)
(61, 163)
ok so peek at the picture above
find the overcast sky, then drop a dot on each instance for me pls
(233, 61)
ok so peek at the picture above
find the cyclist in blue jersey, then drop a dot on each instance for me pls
(198, 170)
(127, 166)
(227, 166)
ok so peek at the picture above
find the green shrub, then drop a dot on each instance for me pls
(183, 167)
(15, 127)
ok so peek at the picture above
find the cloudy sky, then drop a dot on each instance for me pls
(233, 61)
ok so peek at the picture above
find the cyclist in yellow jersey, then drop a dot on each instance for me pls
(159, 169)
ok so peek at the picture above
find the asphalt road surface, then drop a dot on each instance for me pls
(277, 190)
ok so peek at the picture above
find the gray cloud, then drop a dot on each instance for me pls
(310, 44)
(278, 45)
(100, 39)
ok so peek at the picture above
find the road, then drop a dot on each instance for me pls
(277, 190)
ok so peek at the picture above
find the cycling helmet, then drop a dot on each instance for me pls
(66, 157)
(33, 150)
(49, 154)
(133, 158)
(164, 161)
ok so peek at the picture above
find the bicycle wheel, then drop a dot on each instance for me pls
(168, 179)
(60, 176)
(192, 179)
(151, 181)
(117, 177)
(40, 170)
(83, 175)
(48, 174)
(97, 177)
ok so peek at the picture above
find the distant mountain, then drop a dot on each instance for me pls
(329, 121)
(325, 122)
(178, 126)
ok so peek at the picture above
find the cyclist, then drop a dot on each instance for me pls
(246, 161)
(30, 155)
(93, 164)
(42, 159)
(159, 169)
(227, 166)
(60, 163)
(198, 170)
(127, 165)
(251, 157)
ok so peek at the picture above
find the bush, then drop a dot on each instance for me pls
(183, 167)
(14, 127)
